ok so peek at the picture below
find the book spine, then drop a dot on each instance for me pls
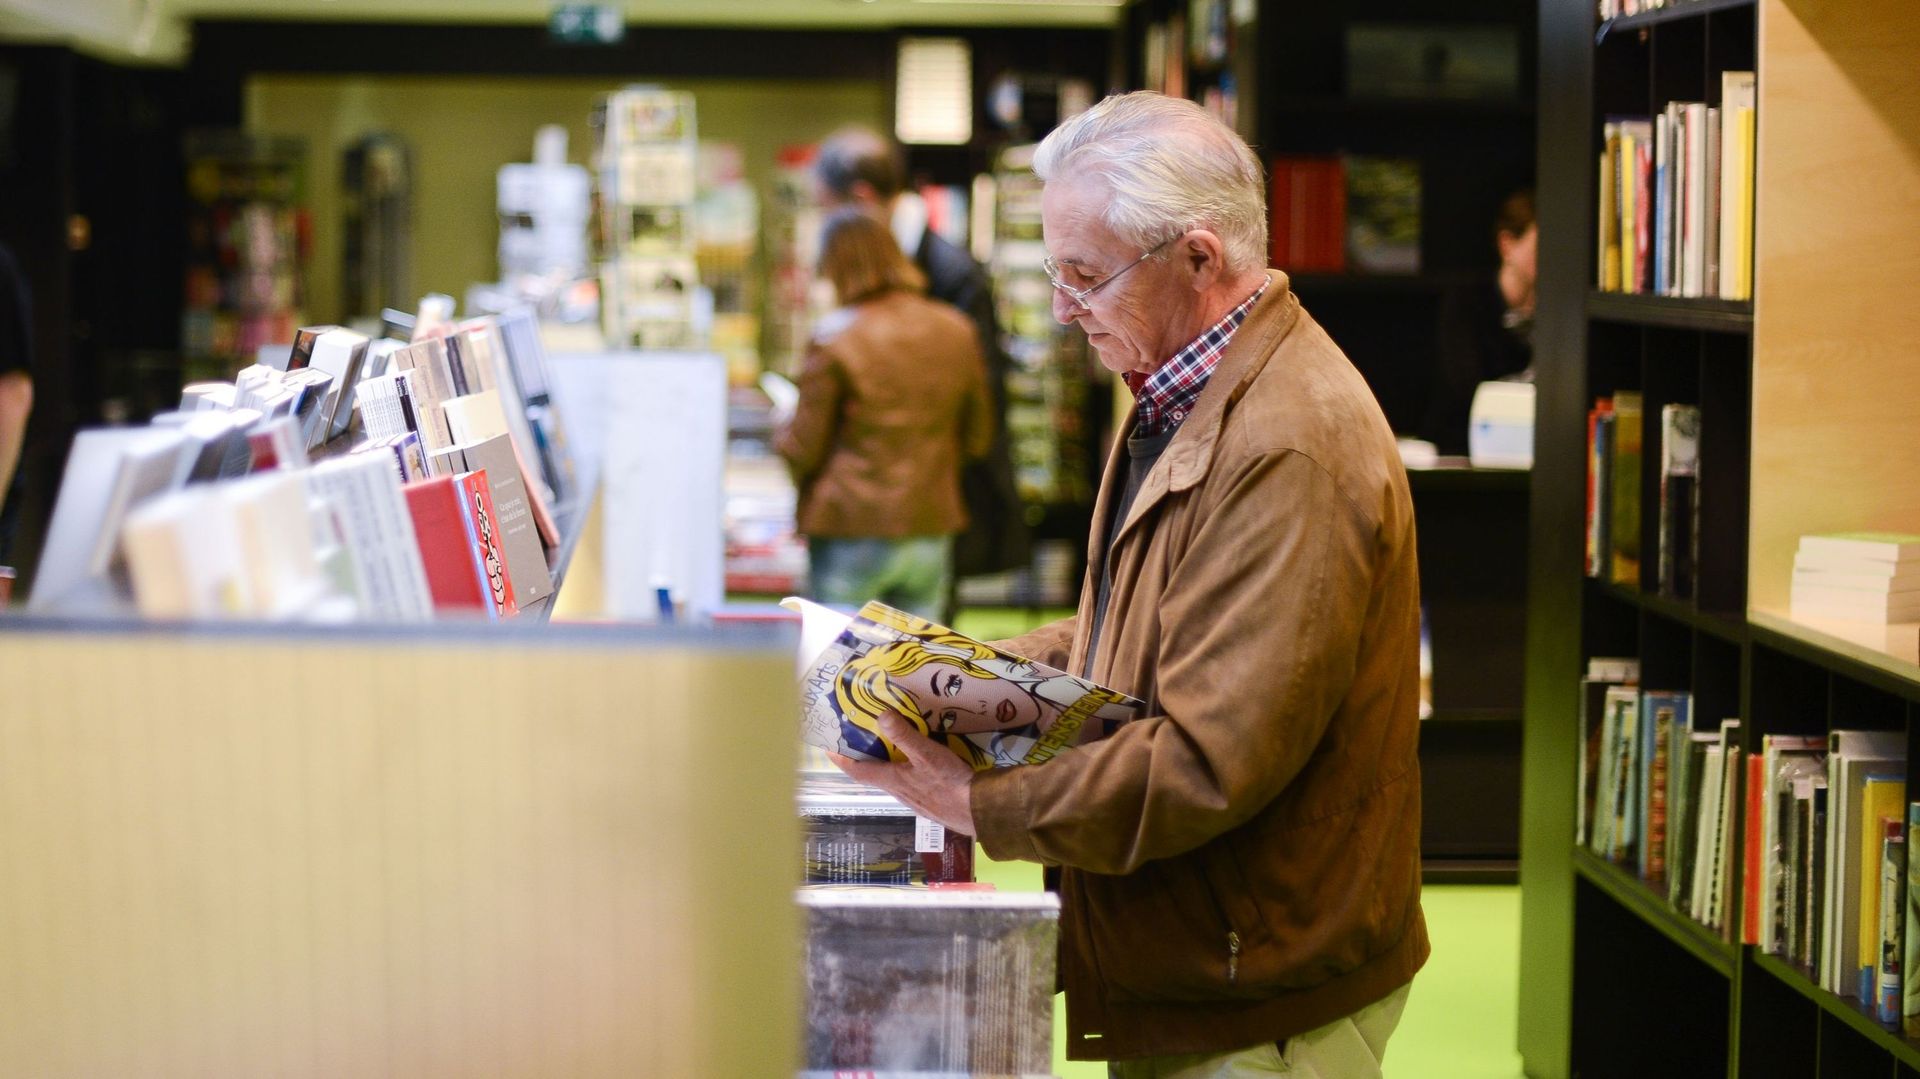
(1910, 928)
(1893, 876)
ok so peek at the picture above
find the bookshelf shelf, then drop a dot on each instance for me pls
(1310, 285)
(1678, 12)
(1423, 480)
(1456, 716)
(1727, 627)
(1722, 316)
(1653, 908)
(1846, 1009)
(1402, 110)
(1846, 658)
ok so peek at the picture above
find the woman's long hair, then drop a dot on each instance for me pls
(861, 259)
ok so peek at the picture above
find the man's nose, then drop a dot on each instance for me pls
(1065, 309)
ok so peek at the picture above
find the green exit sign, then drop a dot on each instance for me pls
(586, 24)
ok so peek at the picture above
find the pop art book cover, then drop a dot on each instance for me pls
(993, 708)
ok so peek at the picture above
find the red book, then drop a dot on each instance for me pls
(464, 570)
(477, 498)
(1307, 218)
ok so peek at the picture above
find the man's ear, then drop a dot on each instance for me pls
(1204, 256)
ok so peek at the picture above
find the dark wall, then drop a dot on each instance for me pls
(90, 163)
(227, 53)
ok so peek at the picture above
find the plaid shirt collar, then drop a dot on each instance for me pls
(1164, 397)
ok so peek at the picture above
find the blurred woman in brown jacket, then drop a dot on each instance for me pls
(893, 399)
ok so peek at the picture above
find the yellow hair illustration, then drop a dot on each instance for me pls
(865, 688)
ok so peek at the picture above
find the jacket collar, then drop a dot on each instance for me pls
(1190, 454)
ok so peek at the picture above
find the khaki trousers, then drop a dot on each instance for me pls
(1349, 1048)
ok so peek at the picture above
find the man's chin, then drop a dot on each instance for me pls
(1111, 355)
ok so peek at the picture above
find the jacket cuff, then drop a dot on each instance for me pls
(999, 797)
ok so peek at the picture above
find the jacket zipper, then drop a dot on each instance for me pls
(1233, 956)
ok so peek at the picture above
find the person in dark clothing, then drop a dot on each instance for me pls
(16, 390)
(1486, 329)
(859, 168)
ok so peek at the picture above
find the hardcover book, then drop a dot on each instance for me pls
(459, 548)
(856, 834)
(1624, 469)
(992, 708)
(1679, 499)
(520, 538)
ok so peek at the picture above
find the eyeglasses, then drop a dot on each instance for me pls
(1080, 295)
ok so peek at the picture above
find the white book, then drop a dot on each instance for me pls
(340, 353)
(1867, 546)
(92, 501)
(275, 539)
(1874, 584)
(209, 443)
(1694, 124)
(386, 405)
(1842, 603)
(1704, 833)
(475, 416)
(481, 353)
(1720, 884)
(148, 466)
(183, 557)
(389, 576)
(206, 396)
(312, 386)
(379, 357)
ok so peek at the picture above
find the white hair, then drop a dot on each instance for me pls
(1169, 166)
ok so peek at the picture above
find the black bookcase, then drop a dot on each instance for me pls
(1615, 981)
(1287, 66)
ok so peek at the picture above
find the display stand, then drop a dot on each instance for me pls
(373, 852)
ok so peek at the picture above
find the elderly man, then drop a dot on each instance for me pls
(1239, 870)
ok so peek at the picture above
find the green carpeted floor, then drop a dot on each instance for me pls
(1460, 1020)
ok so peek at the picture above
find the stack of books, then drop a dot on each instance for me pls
(1857, 577)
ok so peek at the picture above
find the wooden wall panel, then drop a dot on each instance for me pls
(1836, 385)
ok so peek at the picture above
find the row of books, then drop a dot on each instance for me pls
(1826, 882)
(438, 465)
(1332, 213)
(1659, 788)
(1613, 9)
(1676, 198)
(1613, 506)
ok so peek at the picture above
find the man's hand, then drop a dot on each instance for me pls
(933, 781)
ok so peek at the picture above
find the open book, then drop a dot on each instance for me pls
(993, 708)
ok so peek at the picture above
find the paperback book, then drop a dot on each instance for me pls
(992, 708)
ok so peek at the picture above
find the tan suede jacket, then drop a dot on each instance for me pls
(893, 399)
(1243, 864)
